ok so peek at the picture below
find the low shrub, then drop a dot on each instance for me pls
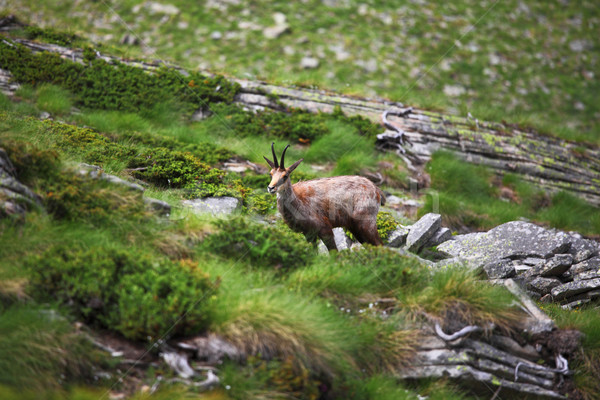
(115, 86)
(293, 123)
(130, 291)
(386, 224)
(261, 203)
(49, 35)
(262, 245)
(31, 162)
(77, 197)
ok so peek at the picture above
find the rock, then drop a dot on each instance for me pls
(543, 286)
(200, 114)
(443, 234)
(281, 26)
(157, 8)
(309, 63)
(321, 248)
(454, 90)
(392, 200)
(340, 52)
(216, 35)
(129, 40)
(584, 266)
(555, 266)
(162, 207)
(587, 275)
(582, 249)
(575, 304)
(342, 241)
(273, 32)
(15, 198)
(95, 172)
(516, 239)
(573, 288)
(580, 45)
(500, 269)
(422, 231)
(214, 205)
(398, 237)
(533, 261)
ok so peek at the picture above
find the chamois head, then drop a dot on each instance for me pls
(279, 173)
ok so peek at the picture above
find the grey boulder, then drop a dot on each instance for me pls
(516, 239)
(216, 206)
(422, 231)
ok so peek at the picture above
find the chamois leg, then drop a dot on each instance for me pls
(367, 232)
(311, 238)
(326, 235)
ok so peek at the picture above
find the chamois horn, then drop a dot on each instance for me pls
(274, 156)
(283, 157)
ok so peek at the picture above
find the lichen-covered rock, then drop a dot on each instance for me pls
(543, 286)
(161, 207)
(584, 266)
(591, 274)
(573, 288)
(513, 240)
(422, 231)
(533, 261)
(554, 266)
(582, 249)
(443, 234)
(398, 237)
(214, 205)
(499, 269)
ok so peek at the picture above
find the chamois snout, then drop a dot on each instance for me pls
(271, 189)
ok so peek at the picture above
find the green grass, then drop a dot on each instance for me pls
(471, 196)
(527, 56)
(305, 322)
(39, 348)
(54, 100)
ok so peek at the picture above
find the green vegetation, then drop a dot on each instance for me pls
(310, 326)
(267, 246)
(585, 363)
(132, 292)
(471, 196)
(39, 349)
(538, 59)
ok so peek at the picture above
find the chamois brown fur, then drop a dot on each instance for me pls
(317, 206)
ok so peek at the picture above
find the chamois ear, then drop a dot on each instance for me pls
(294, 165)
(269, 162)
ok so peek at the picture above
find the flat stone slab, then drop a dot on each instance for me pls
(500, 269)
(516, 239)
(398, 237)
(567, 290)
(214, 205)
(443, 234)
(584, 266)
(342, 241)
(582, 249)
(423, 230)
(554, 266)
(595, 273)
(161, 207)
(543, 286)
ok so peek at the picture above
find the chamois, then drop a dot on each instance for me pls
(317, 206)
